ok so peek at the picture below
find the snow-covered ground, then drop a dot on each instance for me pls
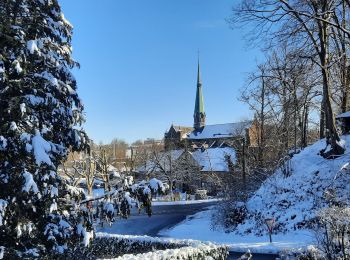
(198, 227)
(163, 216)
(295, 199)
(292, 199)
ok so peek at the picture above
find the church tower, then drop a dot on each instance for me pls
(199, 114)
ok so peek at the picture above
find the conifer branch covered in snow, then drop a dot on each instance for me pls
(41, 117)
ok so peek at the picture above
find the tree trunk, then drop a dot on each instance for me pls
(296, 116)
(91, 174)
(322, 121)
(105, 175)
(332, 135)
(244, 165)
(171, 189)
(344, 68)
(262, 125)
(305, 127)
(345, 88)
(285, 119)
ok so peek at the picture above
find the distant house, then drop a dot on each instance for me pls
(191, 167)
(343, 122)
(223, 135)
(176, 135)
(211, 136)
(218, 160)
(208, 160)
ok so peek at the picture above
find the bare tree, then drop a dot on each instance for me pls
(103, 170)
(303, 25)
(83, 169)
(165, 163)
(257, 96)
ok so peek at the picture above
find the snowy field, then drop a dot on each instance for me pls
(198, 227)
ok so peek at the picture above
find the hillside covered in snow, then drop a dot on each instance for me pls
(294, 199)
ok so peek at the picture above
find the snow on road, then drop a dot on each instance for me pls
(163, 216)
(198, 227)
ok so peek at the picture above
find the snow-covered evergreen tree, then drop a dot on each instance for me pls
(40, 117)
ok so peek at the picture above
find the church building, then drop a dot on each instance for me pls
(210, 157)
(203, 136)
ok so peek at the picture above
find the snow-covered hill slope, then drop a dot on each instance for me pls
(293, 201)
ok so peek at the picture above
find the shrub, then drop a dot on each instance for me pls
(333, 232)
(144, 247)
(229, 214)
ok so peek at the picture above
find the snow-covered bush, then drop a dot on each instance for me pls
(119, 201)
(144, 247)
(232, 210)
(247, 256)
(309, 253)
(41, 115)
(228, 214)
(333, 232)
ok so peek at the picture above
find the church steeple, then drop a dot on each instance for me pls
(199, 114)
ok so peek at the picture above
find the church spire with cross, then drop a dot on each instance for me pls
(199, 113)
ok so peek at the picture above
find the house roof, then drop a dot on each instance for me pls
(215, 159)
(220, 131)
(211, 159)
(343, 115)
(162, 160)
(179, 128)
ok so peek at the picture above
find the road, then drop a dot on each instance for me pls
(164, 217)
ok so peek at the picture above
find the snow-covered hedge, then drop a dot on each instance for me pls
(143, 247)
(310, 252)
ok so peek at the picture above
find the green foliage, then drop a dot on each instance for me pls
(40, 120)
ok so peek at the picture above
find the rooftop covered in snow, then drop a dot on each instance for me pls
(212, 159)
(221, 131)
(343, 115)
(215, 159)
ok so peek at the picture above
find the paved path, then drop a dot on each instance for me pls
(164, 216)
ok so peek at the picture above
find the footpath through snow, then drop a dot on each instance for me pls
(292, 198)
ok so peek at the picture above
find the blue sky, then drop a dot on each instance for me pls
(138, 64)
